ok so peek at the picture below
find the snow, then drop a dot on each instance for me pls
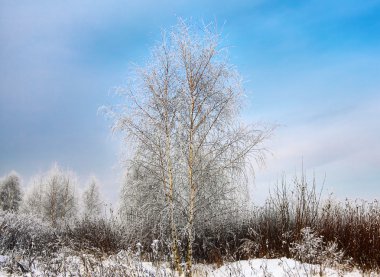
(277, 267)
(254, 267)
(3, 259)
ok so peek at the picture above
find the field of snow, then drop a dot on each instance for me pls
(277, 267)
(119, 265)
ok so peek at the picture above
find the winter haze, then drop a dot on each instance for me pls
(311, 67)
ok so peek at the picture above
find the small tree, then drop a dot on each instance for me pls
(52, 196)
(91, 200)
(10, 192)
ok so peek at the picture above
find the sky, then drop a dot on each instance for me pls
(310, 67)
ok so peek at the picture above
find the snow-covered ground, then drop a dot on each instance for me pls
(122, 265)
(277, 267)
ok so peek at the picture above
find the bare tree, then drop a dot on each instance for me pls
(10, 192)
(182, 115)
(52, 196)
(91, 200)
(150, 122)
(33, 199)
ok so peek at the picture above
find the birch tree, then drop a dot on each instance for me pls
(10, 192)
(91, 200)
(52, 196)
(181, 114)
(149, 120)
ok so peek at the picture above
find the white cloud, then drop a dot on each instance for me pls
(343, 146)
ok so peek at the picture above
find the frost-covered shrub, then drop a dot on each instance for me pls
(97, 234)
(250, 246)
(332, 254)
(311, 249)
(26, 234)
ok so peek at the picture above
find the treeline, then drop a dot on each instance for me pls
(52, 214)
(53, 196)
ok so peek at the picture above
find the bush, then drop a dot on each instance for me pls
(311, 249)
(26, 235)
(355, 226)
(97, 234)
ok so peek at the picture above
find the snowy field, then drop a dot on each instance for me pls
(124, 265)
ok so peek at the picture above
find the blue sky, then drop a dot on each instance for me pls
(313, 67)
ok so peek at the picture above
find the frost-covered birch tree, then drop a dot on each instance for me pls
(52, 196)
(92, 204)
(181, 114)
(10, 192)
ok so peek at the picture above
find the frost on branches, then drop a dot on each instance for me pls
(10, 192)
(181, 116)
(52, 196)
(311, 249)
